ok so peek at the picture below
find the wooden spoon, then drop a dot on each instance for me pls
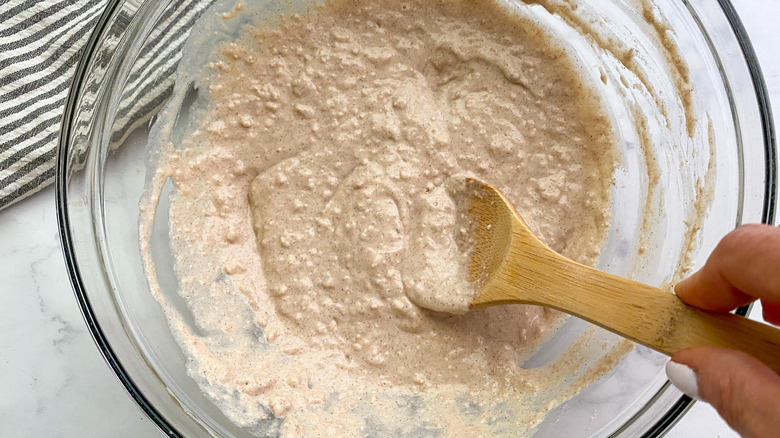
(511, 265)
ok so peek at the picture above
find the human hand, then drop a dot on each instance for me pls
(745, 266)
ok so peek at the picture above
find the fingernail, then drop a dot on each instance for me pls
(684, 378)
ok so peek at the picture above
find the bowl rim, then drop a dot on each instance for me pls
(660, 428)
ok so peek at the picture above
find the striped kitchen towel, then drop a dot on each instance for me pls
(40, 45)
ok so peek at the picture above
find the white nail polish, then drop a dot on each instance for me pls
(684, 378)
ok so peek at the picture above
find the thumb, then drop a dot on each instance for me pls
(743, 390)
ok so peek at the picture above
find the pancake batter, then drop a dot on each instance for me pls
(316, 176)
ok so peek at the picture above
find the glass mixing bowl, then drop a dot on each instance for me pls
(135, 71)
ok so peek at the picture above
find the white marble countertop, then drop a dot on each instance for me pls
(54, 382)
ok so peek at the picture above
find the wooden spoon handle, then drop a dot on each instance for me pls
(660, 320)
(642, 313)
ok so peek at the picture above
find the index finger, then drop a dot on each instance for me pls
(744, 266)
